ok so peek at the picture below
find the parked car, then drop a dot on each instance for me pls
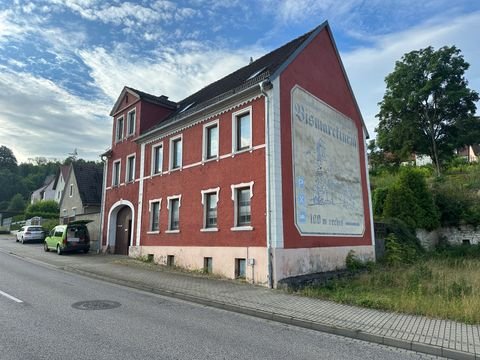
(30, 233)
(68, 238)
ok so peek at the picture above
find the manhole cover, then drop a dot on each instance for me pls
(96, 305)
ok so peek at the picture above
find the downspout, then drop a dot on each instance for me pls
(102, 208)
(267, 85)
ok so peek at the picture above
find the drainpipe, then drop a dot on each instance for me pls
(102, 207)
(267, 85)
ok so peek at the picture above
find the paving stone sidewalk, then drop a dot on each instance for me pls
(432, 336)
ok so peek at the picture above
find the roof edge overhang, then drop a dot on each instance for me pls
(203, 110)
(312, 36)
(120, 97)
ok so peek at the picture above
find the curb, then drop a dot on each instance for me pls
(331, 329)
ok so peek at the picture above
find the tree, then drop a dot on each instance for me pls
(410, 200)
(7, 159)
(427, 106)
(17, 204)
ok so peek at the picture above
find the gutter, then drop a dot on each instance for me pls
(267, 85)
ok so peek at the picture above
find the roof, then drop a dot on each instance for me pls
(159, 100)
(63, 170)
(89, 178)
(242, 78)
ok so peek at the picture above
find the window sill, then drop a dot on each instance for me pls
(153, 232)
(172, 231)
(209, 229)
(216, 158)
(242, 228)
(175, 169)
(238, 152)
(156, 174)
(129, 182)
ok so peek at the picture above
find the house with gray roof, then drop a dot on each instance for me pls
(82, 197)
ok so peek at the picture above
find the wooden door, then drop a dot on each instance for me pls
(122, 240)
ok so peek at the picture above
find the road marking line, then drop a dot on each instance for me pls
(10, 297)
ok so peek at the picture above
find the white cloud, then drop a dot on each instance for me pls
(172, 73)
(38, 118)
(368, 66)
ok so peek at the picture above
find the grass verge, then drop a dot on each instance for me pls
(439, 286)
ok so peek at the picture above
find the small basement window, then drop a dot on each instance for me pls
(170, 260)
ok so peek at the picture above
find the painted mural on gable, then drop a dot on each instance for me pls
(326, 169)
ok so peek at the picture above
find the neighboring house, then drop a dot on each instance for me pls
(59, 184)
(81, 199)
(45, 192)
(260, 175)
(470, 153)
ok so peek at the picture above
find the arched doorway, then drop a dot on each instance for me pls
(120, 227)
(123, 233)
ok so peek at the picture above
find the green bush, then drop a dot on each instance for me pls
(49, 224)
(44, 209)
(401, 244)
(400, 203)
(379, 196)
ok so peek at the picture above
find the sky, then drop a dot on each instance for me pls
(63, 63)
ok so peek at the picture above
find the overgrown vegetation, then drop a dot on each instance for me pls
(442, 284)
(423, 200)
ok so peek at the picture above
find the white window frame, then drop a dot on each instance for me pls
(134, 111)
(152, 165)
(204, 203)
(127, 171)
(74, 211)
(169, 201)
(235, 116)
(234, 188)
(205, 141)
(119, 161)
(70, 194)
(117, 139)
(150, 203)
(171, 151)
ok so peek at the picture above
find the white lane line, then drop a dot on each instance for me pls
(10, 297)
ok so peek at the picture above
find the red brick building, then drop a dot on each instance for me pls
(261, 174)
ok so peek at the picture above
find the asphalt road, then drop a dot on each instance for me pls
(39, 320)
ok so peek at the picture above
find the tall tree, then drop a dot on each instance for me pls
(427, 106)
(7, 159)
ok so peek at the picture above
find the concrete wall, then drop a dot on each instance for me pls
(223, 259)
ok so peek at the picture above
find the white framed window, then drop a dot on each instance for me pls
(157, 159)
(131, 119)
(74, 211)
(210, 141)
(173, 205)
(71, 190)
(242, 130)
(119, 129)
(155, 206)
(176, 152)
(130, 169)
(116, 173)
(209, 202)
(241, 196)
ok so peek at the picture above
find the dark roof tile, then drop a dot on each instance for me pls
(89, 181)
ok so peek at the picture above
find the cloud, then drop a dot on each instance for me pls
(368, 66)
(176, 73)
(39, 118)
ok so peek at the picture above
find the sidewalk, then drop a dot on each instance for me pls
(432, 336)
